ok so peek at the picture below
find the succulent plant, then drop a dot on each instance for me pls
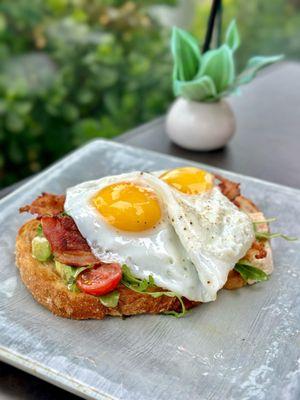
(211, 75)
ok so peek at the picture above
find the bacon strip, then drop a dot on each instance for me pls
(46, 204)
(53, 204)
(230, 189)
(245, 204)
(67, 244)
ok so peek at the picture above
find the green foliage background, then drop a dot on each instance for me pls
(72, 70)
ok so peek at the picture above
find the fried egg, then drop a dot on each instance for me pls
(174, 225)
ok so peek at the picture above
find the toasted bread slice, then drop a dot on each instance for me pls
(48, 288)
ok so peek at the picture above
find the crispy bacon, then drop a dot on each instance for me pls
(245, 204)
(67, 244)
(46, 204)
(257, 250)
(230, 189)
(53, 204)
(70, 247)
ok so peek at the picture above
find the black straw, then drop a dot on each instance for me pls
(215, 9)
(219, 24)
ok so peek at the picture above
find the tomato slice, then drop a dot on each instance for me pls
(99, 280)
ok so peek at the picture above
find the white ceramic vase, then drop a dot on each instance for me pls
(200, 126)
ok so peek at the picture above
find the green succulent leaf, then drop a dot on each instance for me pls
(197, 90)
(186, 55)
(248, 272)
(218, 64)
(232, 37)
(254, 65)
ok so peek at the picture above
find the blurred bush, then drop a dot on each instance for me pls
(72, 70)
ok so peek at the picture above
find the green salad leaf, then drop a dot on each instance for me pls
(39, 231)
(248, 272)
(269, 235)
(110, 300)
(63, 214)
(265, 221)
(141, 286)
(73, 274)
(69, 274)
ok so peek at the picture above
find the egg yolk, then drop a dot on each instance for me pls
(189, 180)
(128, 207)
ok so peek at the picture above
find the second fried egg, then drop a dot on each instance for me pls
(177, 227)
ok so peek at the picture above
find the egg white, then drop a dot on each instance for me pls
(191, 251)
(213, 231)
(157, 252)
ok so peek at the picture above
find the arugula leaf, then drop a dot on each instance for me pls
(63, 214)
(269, 235)
(73, 273)
(69, 274)
(110, 300)
(127, 275)
(72, 287)
(141, 286)
(247, 271)
(265, 221)
(39, 231)
(151, 280)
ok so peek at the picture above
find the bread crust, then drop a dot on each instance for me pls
(47, 287)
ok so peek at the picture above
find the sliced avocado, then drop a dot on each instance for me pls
(41, 249)
(65, 271)
(69, 274)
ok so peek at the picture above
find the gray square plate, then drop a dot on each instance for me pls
(245, 345)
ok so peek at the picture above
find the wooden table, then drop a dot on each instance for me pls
(266, 145)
